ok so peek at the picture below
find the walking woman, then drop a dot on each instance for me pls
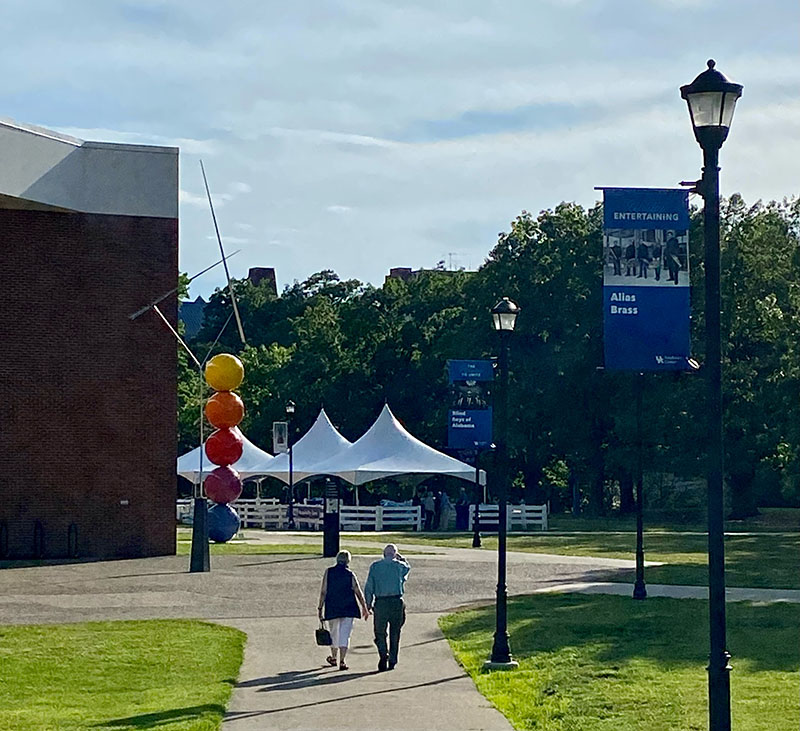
(339, 602)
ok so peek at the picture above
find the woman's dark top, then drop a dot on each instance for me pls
(340, 599)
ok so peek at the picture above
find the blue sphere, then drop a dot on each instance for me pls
(223, 523)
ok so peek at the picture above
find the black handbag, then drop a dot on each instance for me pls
(323, 636)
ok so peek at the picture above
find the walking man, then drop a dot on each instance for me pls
(384, 594)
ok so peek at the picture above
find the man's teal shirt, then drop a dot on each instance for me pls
(387, 577)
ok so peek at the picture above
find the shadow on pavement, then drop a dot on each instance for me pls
(238, 715)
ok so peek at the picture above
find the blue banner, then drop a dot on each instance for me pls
(469, 429)
(646, 279)
(469, 370)
(469, 425)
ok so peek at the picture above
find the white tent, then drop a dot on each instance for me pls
(321, 442)
(388, 450)
(254, 462)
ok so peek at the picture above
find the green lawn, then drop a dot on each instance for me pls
(758, 558)
(263, 549)
(167, 674)
(605, 663)
(239, 548)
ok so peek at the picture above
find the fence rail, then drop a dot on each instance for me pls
(518, 517)
(269, 513)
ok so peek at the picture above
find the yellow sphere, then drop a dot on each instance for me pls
(224, 372)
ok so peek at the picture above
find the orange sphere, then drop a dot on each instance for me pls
(224, 409)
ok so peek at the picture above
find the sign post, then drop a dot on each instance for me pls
(330, 521)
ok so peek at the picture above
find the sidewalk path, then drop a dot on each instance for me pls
(286, 684)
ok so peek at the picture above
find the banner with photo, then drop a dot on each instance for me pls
(469, 425)
(646, 279)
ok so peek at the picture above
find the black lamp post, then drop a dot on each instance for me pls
(504, 316)
(712, 98)
(289, 414)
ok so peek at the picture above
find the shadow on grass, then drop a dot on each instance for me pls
(154, 720)
(672, 632)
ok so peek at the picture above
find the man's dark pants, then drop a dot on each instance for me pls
(388, 612)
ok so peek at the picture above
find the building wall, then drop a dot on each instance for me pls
(87, 396)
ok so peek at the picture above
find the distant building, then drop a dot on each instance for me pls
(190, 313)
(257, 275)
(87, 396)
(407, 273)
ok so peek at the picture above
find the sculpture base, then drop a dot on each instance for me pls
(489, 665)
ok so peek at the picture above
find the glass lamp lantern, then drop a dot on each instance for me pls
(711, 98)
(504, 315)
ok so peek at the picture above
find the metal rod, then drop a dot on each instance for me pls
(144, 309)
(175, 333)
(222, 252)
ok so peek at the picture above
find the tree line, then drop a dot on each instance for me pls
(352, 347)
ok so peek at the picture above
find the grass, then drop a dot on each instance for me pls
(173, 675)
(239, 548)
(606, 663)
(758, 558)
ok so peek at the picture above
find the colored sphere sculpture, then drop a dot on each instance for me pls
(225, 410)
(224, 447)
(223, 485)
(224, 372)
(223, 523)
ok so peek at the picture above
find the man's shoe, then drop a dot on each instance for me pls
(392, 665)
(383, 663)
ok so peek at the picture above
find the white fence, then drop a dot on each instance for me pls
(518, 517)
(269, 513)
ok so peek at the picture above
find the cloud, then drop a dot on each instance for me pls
(329, 128)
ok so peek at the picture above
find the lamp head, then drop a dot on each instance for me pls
(504, 315)
(289, 407)
(711, 98)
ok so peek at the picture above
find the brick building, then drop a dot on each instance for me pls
(89, 235)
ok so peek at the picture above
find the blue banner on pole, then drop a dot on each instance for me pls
(469, 425)
(646, 279)
(469, 428)
(469, 370)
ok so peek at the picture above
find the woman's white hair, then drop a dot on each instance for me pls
(343, 557)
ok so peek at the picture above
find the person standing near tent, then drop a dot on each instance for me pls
(430, 509)
(339, 601)
(444, 518)
(384, 595)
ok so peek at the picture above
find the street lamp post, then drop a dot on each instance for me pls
(712, 98)
(476, 515)
(504, 316)
(289, 415)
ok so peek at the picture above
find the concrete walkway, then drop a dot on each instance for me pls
(284, 683)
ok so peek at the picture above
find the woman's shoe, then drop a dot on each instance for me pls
(343, 666)
(331, 660)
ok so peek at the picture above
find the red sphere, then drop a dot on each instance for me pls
(223, 485)
(224, 446)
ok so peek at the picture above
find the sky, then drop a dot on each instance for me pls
(360, 135)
